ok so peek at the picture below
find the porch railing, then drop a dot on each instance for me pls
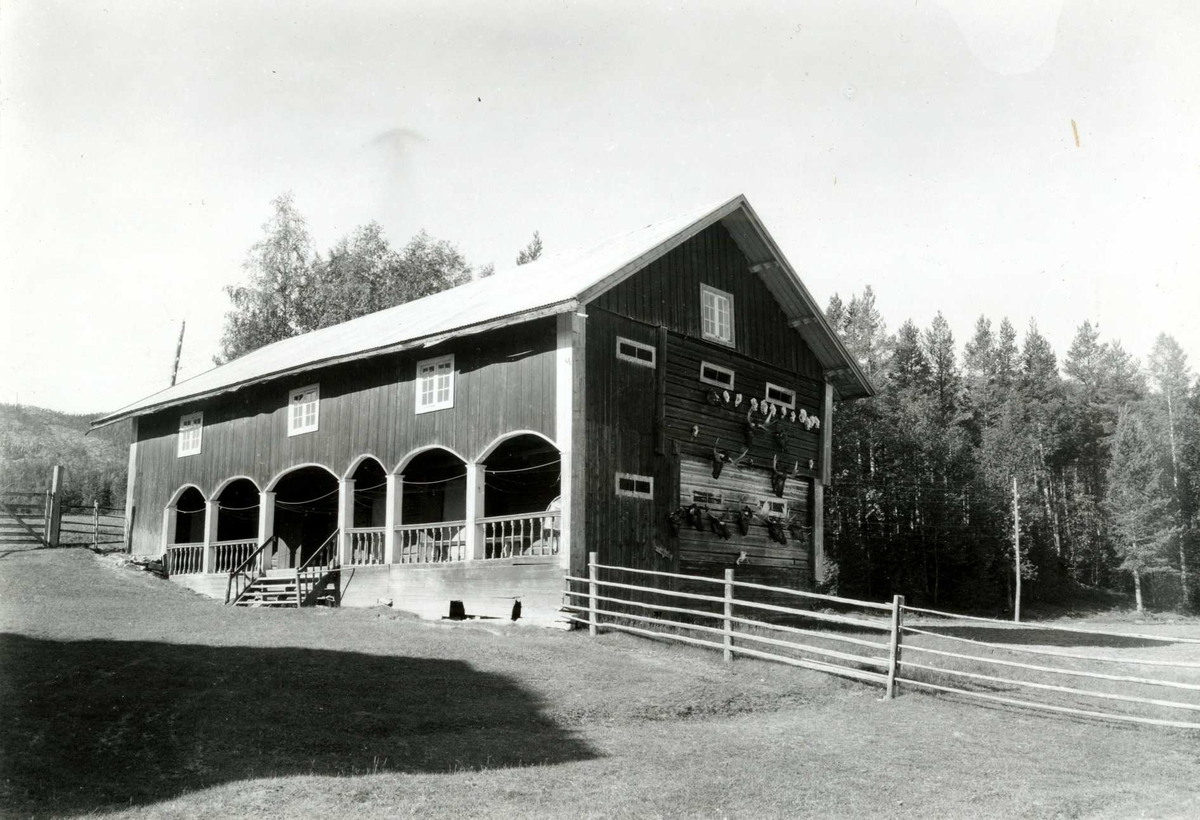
(247, 572)
(185, 559)
(366, 546)
(318, 569)
(231, 553)
(431, 543)
(511, 536)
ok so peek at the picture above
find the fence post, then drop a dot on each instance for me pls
(728, 637)
(95, 523)
(56, 494)
(894, 646)
(593, 576)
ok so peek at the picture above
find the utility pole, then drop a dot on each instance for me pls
(1017, 551)
(178, 353)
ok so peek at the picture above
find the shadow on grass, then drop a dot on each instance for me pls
(1043, 637)
(92, 725)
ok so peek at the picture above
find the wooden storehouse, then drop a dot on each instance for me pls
(663, 398)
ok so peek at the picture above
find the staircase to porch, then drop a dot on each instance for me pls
(252, 586)
(279, 588)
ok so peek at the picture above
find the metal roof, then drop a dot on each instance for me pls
(556, 283)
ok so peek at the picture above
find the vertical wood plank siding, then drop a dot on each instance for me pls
(504, 381)
(667, 293)
(622, 408)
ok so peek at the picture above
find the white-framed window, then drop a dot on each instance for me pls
(435, 384)
(770, 508)
(716, 315)
(781, 396)
(304, 409)
(716, 375)
(630, 351)
(635, 486)
(191, 431)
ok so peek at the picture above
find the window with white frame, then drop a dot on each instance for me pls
(635, 486)
(304, 409)
(716, 317)
(435, 384)
(636, 352)
(716, 375)
(781, 396)
(191, 430)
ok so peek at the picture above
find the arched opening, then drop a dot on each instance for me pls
(189, 510)
(521, 506)
(238, 511)
(370, 494)
(368, 514)
(306, 515)
(183, 532)
(433, 508)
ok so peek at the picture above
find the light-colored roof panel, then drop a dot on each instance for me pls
(554, 283)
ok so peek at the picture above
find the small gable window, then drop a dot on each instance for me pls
(435, 384)
(191, 429)
(716, 375)
(635, 486)
(304, 410)
(716, 317)
(781, 396)
(636, 352)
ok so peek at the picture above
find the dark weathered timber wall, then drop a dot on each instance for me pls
(640, 420)
(505, 381)
(667, 293)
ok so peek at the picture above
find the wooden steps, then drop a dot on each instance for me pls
(276, 588)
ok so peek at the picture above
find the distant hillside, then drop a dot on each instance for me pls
(34, 439)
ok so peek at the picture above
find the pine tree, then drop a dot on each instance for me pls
(1135, 501)
(1172, 377)
(532, 251)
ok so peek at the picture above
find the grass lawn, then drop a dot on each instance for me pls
(125, 694)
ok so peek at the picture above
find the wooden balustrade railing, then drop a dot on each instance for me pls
(185, 559)
(317, 567)
(431, 543)
(247, 572)
(509, 536)
(231, 553)
(366, 546)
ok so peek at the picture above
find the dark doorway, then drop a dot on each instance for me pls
(306, 514)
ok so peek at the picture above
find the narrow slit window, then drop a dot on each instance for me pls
(636, 352)
(304, 410)
(635, 486)
(781, 396)
(435, 384)
(716, 375)
(716, 315)
(191, 431)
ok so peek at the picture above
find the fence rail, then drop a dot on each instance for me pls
(431, 543)
(96, 525)
(907, 656)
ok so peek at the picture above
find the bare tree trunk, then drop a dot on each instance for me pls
(1137, 590)
(1184, 583)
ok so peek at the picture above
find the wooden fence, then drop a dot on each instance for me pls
(95, 525)
(890, 644)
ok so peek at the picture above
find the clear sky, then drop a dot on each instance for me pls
(925, 148)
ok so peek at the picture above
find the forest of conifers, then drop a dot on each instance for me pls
(1105, 451)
